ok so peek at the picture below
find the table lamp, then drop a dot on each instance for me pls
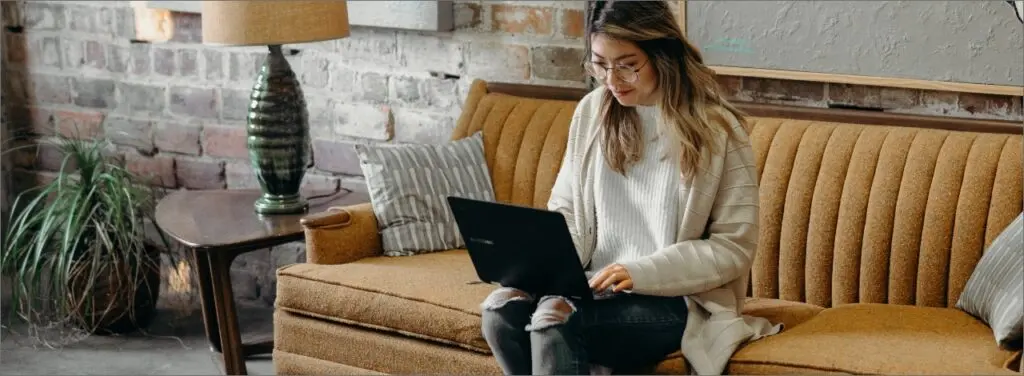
(277, 121)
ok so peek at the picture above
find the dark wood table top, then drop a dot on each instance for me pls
(226, 219)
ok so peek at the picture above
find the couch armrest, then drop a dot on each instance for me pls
(341, 234)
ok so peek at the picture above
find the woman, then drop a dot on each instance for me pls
(659, 190)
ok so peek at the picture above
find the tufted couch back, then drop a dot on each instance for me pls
(849, 212)
(878, 214)
(524, 140)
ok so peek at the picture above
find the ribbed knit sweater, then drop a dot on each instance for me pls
(637, 213)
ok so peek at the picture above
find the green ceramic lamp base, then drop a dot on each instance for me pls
(278, 137)
(277, 205)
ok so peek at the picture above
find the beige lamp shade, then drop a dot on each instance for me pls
(266, 22)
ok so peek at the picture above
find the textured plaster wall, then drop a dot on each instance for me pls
(961, 41)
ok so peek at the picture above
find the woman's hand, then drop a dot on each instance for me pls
(615, 276)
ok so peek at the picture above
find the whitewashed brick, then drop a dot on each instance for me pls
(363, 121)
(435, 93)
(321, 116)
(243, 66)
(462, 90)
(315, 70)
(420, 126)
(428, 53)
(439, 93)
(74, 53)
(496, 61)
(373, 87)
(370, 49)
(239, 175)
(343, 82)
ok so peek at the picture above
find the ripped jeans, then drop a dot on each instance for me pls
(559, 336)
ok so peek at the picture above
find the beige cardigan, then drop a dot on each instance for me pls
(716, 241)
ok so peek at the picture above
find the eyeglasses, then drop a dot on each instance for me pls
(625, 73)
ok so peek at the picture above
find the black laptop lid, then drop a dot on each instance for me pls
(521, 247)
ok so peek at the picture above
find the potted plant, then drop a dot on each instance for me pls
(75, 248)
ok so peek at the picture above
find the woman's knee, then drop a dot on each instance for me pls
(551, 311)
(502, 296)
(505, 309)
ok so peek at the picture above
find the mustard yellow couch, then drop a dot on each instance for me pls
(868, 235)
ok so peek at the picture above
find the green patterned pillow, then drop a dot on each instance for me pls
(994, 292)
(408, 184)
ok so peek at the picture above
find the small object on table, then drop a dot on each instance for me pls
(278, 120)
(219, 225)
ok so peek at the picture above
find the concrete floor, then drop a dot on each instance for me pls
(175, 345)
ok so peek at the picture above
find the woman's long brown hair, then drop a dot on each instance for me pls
(689, 92)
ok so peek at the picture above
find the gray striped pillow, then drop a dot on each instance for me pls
(993, 293)
(408, 184)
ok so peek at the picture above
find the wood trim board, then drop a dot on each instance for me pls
(895, 82)
(795, 112)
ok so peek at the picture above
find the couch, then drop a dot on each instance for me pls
(871, 223)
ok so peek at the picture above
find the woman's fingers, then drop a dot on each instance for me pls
(598, 278)
(613, 276)
(625, 284)
(608, 281)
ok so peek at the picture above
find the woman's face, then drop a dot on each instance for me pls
(625, 70)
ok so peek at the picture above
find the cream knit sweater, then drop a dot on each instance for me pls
(714, 245)
(637, 211)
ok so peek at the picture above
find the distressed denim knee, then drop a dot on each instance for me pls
(551, 310)
(503, 295)
(499, 318)
(505, 314)
(557, 344)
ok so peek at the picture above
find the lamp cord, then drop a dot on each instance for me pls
(337, 188)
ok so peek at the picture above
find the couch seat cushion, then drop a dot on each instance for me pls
(427, 296)
(877, 339)
(788, 313)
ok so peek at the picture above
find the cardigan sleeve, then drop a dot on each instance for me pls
(695, 266)
(562, 199)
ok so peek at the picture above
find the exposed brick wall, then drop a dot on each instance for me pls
(176, 110)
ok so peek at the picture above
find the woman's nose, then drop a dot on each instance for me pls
(610, 78)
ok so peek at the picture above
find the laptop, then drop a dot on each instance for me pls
(521, 247)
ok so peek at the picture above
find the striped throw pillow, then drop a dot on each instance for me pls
(408, 184)
(993, 293)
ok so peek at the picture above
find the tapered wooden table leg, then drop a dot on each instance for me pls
(227, 316)
(207, 299)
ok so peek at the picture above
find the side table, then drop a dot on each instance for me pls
(219, 225)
